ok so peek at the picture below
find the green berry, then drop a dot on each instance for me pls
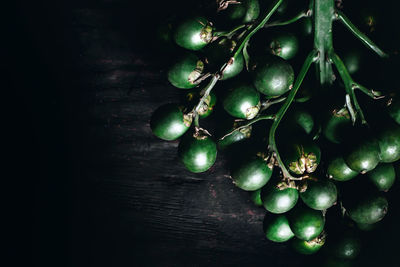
(185, 71)
(251, 174)
(276, 228)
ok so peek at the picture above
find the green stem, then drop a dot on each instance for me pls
(256, 27)
(323, 16)
(349, 86)
(299, 16)
(360, 35)
(258, 118)
(265, 105)
(207, 91)
(312, 57)
(230, 33)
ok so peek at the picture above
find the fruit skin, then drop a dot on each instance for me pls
(307, 247)
(276, 228)
(301, 156)
(300, 117)
(363, 156)
(193, 33)
(369, 210)
(272, 75)
(353, 61)
(306, 223)
(251, 174)
(242, 101)
(319, 195)
(283, 44)
(245, 12)
(235, 137)
(337, 125)
(279, 201)
(255, 196)
(198, 152)
(169, 123)
(219, 52)
(383, 176)
(394, 110)
(345, 246)
(389, 143)
(185, 71)
(338, 170)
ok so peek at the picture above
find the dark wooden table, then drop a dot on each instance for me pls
(101, 189)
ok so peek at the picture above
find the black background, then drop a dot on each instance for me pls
(86, 182)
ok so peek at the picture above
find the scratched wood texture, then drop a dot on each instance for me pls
(110, 193)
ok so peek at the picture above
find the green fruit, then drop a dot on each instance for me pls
(319, 195)
(244, 12)
(363, 156)
(307, 247)
(255, 196)
(242, 101)
(339, 171)
(198, 152)
(272, 76)
(301, 157)
(219, 52)
(337, 125)
(369, 210)
(383, 176)
(278, 200)
(345, 246)
(394, 110)
(283, 44)
(353, 61)
(306, 223)
(306, 26)
(193, 33)
(235, 137)
(251, 174)
(300, 117)
(169, 123)
(185, 71)
(389, 143)
(277, 229)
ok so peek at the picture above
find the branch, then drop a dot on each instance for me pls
(349, 86)
(361, 36)
(258, 118)
(312, 57)
(302, 14)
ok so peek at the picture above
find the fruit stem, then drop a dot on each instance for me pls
(360, 35)
(228, 34)
(323, 16)
(302, 14)
(256, 119)
(371, 93)
(349, 86)
(207, 91)
(266, 104)
(312, 57)
(255, 27)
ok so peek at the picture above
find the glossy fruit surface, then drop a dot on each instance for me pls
(307, 247)
(369, 210)
(235, 137)
(336, 125)
(244, 12)
(184, 72)
(242, 101)
(278, 200)
(306, 223)
(339, 170)
(389, 143)
(394, 110)
(353, 61)
(255, 196)
(319, 195)
(302, 157)
(276, 228)
(169, 123)
(363, 156)
(193, 33)
(346, 246)
(272, 75)
(197, 152)
(302, 118)
(219, 52)
(383, 176)
(283, 44)
(251, 174)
